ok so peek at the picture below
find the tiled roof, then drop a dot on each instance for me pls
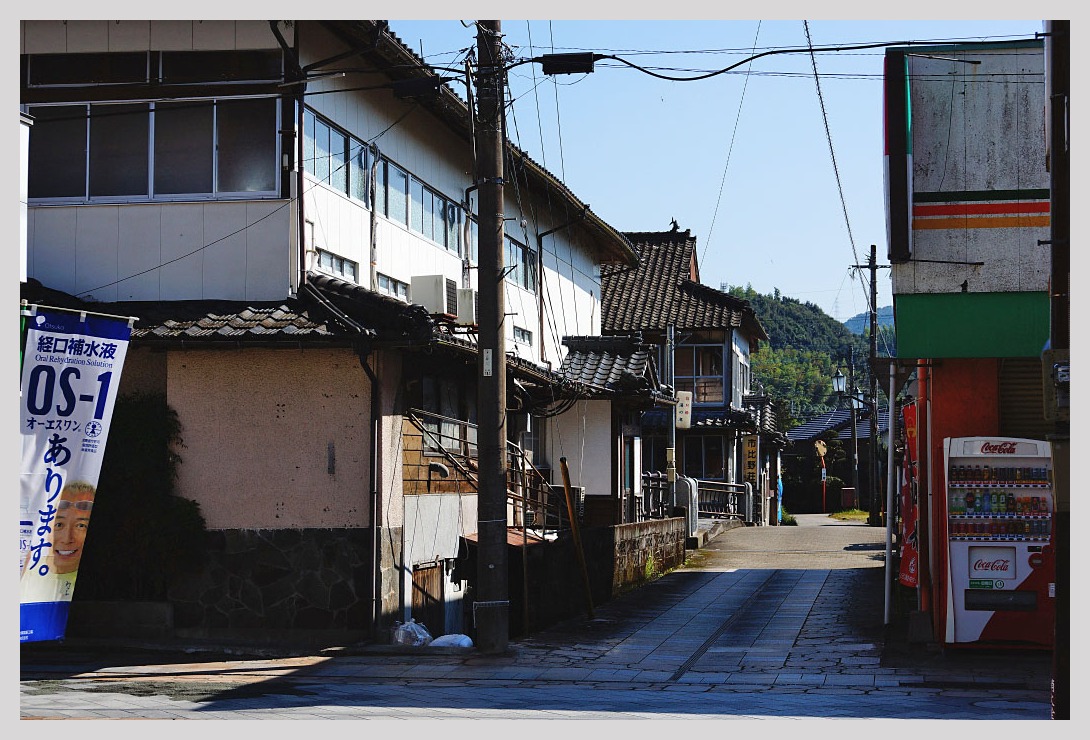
(280, 321)
(613, 363)
(704, 420)
(201, 320)
(839, 420)
(326, 309)
(387, 317)
(662, 291)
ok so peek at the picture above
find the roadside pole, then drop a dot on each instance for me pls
(491, 605)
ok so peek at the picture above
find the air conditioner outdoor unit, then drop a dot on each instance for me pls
(437, 293)
(468, 303)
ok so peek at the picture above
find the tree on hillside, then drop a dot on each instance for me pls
(806, 347)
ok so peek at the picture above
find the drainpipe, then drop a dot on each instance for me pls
(375, 507)
(373, 177)
(300, 168)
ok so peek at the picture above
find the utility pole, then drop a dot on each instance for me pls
(491, 605)
(671, 427)
(1057, 359)
(853, 402)
(875, 519)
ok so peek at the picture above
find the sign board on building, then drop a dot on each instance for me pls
(683, 412)
(749, 446)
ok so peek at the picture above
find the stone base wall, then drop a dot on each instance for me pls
(291, 579)
(646, 550)
(618, 558)
(299, 587)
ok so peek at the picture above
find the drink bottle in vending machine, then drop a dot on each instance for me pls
(1000, 567)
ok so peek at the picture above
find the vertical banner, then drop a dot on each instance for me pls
(910, 539)
(71, 369)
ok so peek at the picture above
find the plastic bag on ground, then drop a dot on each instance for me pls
(411, 633)
(454, 640)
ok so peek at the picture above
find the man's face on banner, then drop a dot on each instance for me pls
(70, 529)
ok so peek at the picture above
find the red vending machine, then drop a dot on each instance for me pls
(1000, 565)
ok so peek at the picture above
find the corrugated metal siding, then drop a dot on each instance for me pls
(1021, 398)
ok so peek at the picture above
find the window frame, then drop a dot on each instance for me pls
(520, 264)
(340, 265)
(691, 381)
(152, 195)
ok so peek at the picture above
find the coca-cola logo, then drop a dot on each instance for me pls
(1002, 448)
(1001, 565)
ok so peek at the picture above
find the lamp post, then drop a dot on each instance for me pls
(840, 388)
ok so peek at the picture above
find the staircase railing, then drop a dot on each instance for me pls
(439, 455)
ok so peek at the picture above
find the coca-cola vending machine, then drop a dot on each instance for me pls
(1001, 572)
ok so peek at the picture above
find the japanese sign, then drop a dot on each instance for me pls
(908, 574)
(71, 369)
(683, 412)
(749, 446)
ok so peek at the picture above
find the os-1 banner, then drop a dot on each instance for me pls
(72, 364)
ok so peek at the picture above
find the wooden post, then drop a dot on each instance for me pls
(575, 533)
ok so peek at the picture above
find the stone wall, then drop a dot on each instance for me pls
(299, 587)
(272, 582)
(618, 558)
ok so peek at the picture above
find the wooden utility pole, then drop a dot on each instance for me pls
(491, 605)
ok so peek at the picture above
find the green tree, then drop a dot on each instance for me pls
(142, 536)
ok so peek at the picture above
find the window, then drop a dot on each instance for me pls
(397, 194)
(57, 70)
(421, 209)
(146, 150)
(389, 286)
(699, 368)
(338, 266)
(704, 457)
(246, 146)
(433, 216)
(335, 158)
(448, 397)
(521, 262)
(178, 67)
(359, 172)
(523, 336)
(118, 143)
(184, 147)
(140, 67)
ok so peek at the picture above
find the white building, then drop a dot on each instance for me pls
(276, 200)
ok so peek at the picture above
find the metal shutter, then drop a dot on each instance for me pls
(1021, 399)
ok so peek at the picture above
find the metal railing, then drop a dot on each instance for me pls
(719, 500)
(439, 455)
(655, 500)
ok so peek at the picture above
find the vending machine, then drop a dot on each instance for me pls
(1000, 565)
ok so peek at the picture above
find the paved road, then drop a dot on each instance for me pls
(762, 623)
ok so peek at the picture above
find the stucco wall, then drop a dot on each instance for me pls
(260, 427)
(582, 435)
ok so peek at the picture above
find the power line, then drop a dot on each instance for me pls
(730, 149)
(832, 152)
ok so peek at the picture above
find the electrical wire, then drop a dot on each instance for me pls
(832, 152)
(730, 149)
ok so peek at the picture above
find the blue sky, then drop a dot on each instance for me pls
(742, 159)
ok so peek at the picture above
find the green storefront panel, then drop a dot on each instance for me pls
(933, 325)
